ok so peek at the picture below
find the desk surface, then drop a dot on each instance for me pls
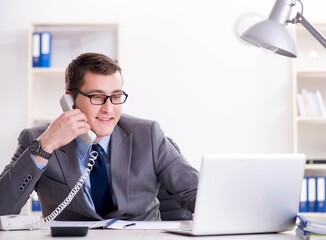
(102, 234)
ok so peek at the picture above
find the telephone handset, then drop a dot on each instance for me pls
(67, 103)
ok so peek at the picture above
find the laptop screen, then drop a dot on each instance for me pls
(248, 193)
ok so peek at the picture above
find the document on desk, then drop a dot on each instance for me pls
(90, 224)
(145, 225)
(118, 224)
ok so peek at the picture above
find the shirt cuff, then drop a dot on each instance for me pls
(40, 166)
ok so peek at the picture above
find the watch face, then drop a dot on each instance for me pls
(36, 149)
(35, 145)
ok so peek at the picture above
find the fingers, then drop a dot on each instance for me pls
(74, 122)
(64, 129)
(74, 119)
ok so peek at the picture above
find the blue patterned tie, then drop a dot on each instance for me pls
(101, 184)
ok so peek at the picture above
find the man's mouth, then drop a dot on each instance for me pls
(104, 118)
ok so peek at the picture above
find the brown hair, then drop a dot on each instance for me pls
(88, 62)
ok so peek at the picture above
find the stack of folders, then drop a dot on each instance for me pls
(41, 49)
(313, 194)
(309, 228)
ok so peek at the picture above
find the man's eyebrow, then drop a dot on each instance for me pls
(96, 91)
(117, 91)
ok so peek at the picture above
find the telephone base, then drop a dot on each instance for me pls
(16, 222)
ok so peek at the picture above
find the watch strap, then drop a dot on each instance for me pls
(43, 153)
(39, 150)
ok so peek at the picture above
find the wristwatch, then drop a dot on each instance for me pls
(37, 149)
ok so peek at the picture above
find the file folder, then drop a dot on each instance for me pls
(311, 194)
(36, 45)
(46, 49)
(320, 206)
(303, 198)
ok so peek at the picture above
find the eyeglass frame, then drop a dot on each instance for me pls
(90, 96)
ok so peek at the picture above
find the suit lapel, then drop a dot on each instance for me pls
(70, 167)
(121, 145)
(69, 163)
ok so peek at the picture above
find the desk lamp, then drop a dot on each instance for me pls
(271, 34)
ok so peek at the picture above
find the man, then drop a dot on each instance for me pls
(137, 159)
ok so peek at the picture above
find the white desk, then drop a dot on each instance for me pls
(136, 235)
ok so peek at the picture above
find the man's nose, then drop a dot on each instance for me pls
(108, 106)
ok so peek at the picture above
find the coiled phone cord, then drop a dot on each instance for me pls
(93, 156)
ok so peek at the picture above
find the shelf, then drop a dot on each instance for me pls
(315, 170)
(311, 74)
(316, 158)
(43, 120)
(76, 26)
(56, 70)
(313, 120)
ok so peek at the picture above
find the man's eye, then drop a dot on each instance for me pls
(116, 96)
(98, 97)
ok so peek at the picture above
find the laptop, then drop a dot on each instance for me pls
(246, 194)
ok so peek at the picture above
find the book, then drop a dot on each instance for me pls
(45, 49)
(300, 104)
(36, 44)
(315, 108)
(321, 103)
(306, 102)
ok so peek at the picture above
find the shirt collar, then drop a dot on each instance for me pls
(82, 147)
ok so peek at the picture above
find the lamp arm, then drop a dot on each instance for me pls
(320, 38)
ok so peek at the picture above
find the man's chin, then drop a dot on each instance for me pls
(101, 134)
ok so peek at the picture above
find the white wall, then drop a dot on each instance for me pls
(183, 66)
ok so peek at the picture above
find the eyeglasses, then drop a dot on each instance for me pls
(100, 99)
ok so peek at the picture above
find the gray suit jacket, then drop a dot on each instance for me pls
(141, 158)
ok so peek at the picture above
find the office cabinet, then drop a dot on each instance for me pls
(309, 93)
(46, 84)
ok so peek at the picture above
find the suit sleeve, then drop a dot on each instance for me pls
(174, 173)
(19, 177)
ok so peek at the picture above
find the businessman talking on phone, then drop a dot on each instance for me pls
(133, 156)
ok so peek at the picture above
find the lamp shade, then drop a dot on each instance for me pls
(271, 35)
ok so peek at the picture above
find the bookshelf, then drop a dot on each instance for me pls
(46, 84)
(309, 72)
